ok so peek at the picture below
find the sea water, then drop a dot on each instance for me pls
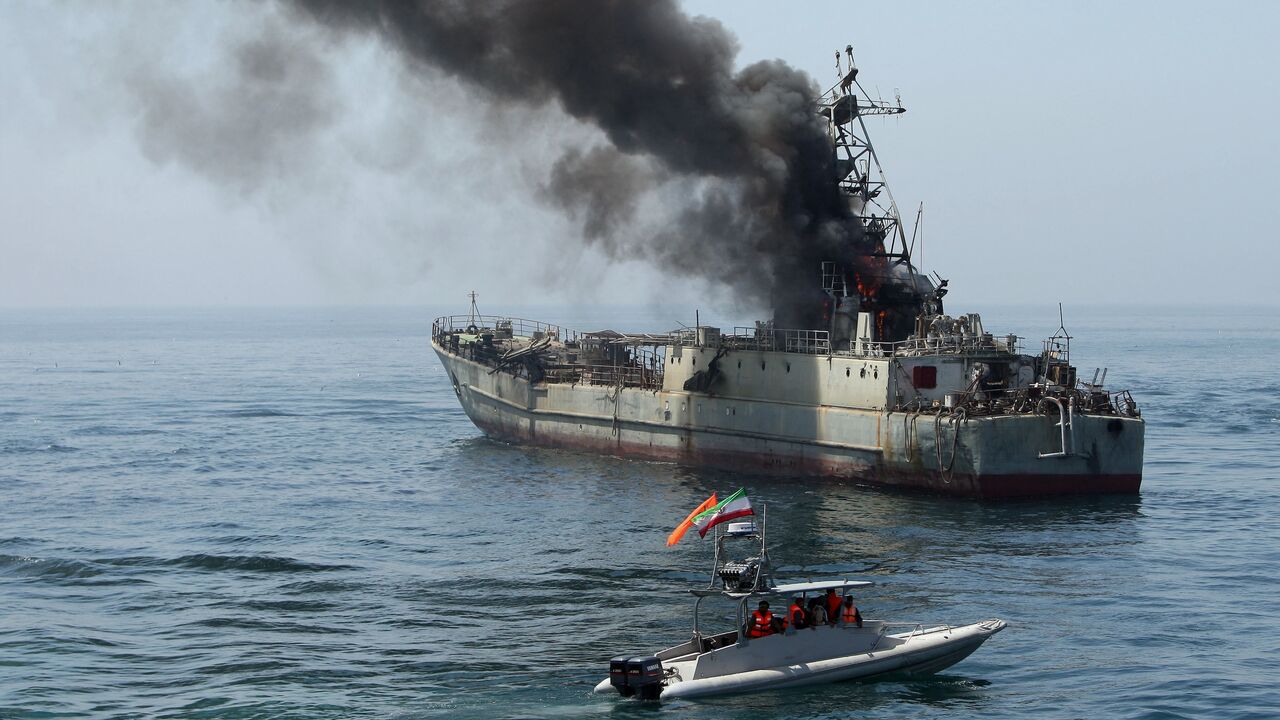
(285, 514)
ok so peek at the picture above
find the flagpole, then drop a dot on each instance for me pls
(715, 557)
(764, 548)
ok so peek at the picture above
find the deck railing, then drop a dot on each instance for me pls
(946, 344)
(810, 342)
(499, 325)
(605, 375)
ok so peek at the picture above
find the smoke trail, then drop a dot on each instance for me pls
(257, 121)
(756, 202)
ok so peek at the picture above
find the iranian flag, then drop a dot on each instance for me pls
(688, 521)
(735, 506)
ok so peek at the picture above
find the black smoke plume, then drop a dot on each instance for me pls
(756, 204)
(253, 123)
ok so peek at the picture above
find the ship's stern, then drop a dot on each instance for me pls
(1028, 455)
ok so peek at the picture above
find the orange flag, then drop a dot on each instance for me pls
(680, 530)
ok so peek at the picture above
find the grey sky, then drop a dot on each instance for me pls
(1082, 152)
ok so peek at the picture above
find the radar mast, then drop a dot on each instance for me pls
(862, 178)
(880, 278)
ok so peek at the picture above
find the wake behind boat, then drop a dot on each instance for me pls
(765, 652)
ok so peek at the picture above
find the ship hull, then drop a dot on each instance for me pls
(989, 457)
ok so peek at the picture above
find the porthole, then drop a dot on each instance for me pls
(739, 364)
(761, 364)
(788, 367)
(862, 372)
(876, 373)
(846, 372)
(695, 361)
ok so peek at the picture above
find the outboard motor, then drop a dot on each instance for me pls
(618, 676)
(640, 676)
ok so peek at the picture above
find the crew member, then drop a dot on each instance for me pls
(849, 615)
(833, 607)
(817, 613)
(795, 614)
(761, 622)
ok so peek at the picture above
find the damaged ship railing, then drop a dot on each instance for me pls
(811, 342)
(955, 344)
(1030, 399)
(501, 326)
(818, 342)
(605, 375)
(944, 345)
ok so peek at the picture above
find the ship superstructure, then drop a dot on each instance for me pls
(875, 383)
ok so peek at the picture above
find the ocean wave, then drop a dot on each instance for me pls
(22, 448)
(205, 561)
(243, 623)
(310, 587)
(289, 606)
(252, 563)
(65, 571)
(49, 567)
(113, 431)
(258, 412)
(19, 540)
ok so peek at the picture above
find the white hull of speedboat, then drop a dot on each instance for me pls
(822, 655)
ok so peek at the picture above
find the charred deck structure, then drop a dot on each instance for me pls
(860, 374)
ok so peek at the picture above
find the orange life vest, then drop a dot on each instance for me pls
(851, 614)
(761, 624)
(795, 616)
(833, 606)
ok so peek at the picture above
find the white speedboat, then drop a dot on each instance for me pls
(733, 662)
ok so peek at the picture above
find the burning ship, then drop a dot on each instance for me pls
(860, 374)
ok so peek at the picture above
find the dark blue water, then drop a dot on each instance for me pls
(242, 514)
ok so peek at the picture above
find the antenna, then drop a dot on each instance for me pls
(846, 105)
(916, 231)
(1057, 348)
(475, 312)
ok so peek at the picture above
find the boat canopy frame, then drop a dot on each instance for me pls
(763, 584)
